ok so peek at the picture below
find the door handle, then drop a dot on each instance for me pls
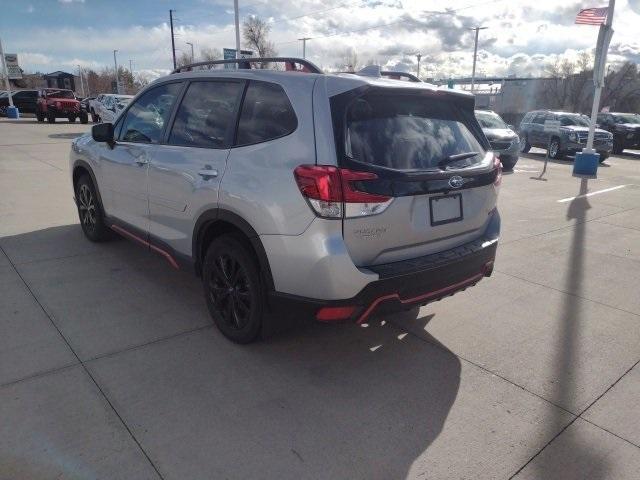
(208, 172)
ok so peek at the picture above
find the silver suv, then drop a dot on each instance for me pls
(296, 193)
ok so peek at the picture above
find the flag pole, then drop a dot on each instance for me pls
(604, 37)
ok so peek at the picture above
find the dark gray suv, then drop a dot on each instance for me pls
(570, 138)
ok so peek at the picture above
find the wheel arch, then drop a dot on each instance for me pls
(215, 222)
(81, 167)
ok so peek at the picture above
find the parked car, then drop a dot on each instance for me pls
(325, 195)
(110, 106)
(625, 128)
(504, 141)
(570, 138)
(93, 107)
(24, 100)
(84, 103)
(59, 103)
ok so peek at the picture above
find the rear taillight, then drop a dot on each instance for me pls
(497, 165)
(332, 194)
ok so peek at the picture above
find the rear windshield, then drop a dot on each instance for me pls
(574, 121)
(490, 120)
(408, 132)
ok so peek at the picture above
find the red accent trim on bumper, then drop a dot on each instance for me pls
(425, 296)
(130, 235)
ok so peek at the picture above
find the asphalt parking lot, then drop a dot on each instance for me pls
(110, 366)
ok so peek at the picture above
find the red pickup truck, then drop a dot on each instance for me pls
(59, 103)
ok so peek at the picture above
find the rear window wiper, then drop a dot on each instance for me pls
(454, 158)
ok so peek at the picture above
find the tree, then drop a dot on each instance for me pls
(183, 59)
(209, 54)
(255, 32)
(568, 85)
(621, 90)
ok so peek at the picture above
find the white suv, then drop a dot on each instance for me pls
(296, 192)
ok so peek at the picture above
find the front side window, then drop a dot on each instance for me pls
(206, 116)
(146, 118)
(409, 132)
(266, 114)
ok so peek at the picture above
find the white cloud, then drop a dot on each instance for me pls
(30, 9)
(70, 1)
(522, 36)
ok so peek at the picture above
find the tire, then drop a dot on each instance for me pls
(617, 148)
(84, 118)
(40, 116)
(51, 117)
(525, 146)
(72, 118)
(90, 211)
(508, 165)
(234, 289)
(554, 149)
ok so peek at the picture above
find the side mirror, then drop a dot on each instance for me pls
(103, 132)
(512, 127)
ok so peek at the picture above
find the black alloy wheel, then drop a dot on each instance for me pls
(554, 149)
(90, 211)
(233, 289)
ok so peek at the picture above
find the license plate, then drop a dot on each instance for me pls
(445, 209)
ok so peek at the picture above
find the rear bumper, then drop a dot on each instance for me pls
(404, 284)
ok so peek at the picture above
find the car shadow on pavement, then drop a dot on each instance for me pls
(318, 401)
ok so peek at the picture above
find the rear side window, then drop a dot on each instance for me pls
(408, 132)
(146, 118)
(266, 114)
(206, 116)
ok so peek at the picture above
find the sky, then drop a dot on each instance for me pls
(522, 37)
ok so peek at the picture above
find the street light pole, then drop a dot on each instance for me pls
(5, 74)
(304, 46)
(173, 42)
(189, 43)
(418, 56)
(475, 55)
(115, 62)
(237, 20)
(81, 80)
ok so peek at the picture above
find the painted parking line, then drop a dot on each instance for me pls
(597, 192)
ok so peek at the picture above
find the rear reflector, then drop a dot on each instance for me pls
(332, 314)
(497, 164)
(332, 193)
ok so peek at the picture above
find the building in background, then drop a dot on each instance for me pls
(61, 80)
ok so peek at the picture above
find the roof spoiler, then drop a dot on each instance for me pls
(245, 64)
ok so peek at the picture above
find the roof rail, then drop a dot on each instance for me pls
(410, 76)
(245, 63)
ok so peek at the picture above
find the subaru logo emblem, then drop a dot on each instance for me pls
(456, 181)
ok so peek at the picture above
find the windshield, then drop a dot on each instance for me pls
(490, 120)
(574, 120)
(60, 94)
(627, 118)
(408, 132)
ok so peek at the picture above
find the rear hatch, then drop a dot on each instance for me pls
(423, 153)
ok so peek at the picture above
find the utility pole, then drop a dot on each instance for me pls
(237, 19)
(115, 62)
(5, 74)
(304, 46)
(189, 43)
(475, 55)
(173, 42)
(131, 67)
(418, 56)
(81, 80)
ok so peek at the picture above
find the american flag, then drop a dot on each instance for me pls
(592, 16)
